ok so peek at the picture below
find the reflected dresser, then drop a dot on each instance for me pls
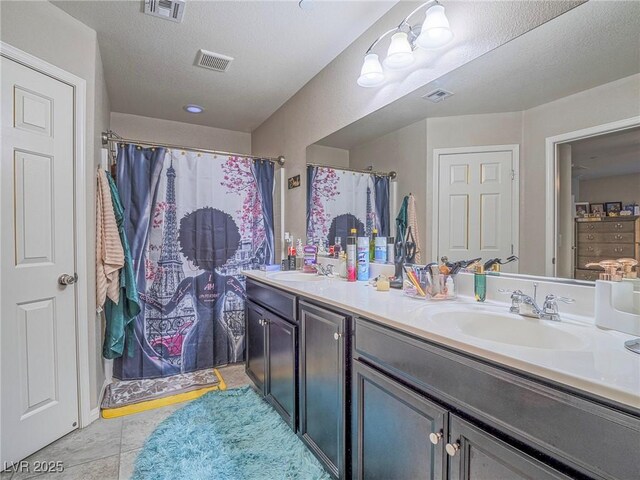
(604, 238)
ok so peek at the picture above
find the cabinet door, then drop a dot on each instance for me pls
(322, 385)
(281, 366)
(397, 434)
(477, 455)
(255, 365)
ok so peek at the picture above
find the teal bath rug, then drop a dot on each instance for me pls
(228, 435)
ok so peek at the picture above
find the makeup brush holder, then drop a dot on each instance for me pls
(431, 287)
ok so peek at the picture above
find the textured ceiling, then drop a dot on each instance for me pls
(592, 44)
(278, 47)
(607, 155)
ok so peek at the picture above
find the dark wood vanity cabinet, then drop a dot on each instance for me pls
(272, 353)
(375, 402)
(397, 434)
(475, 454)
(255, 355)
(324, 401)
(501, 423)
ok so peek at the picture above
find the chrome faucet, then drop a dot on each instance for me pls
(527, 306)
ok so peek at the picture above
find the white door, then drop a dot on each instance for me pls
(477, 203)
(37, 315)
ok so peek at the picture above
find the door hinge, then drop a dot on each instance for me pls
(513, 177)
(512, 249)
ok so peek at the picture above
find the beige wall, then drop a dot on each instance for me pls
(330, 156)
(45, 31)
(603, 104)
(332, 99)
(136, 127)
(403, 151)
(619, 188)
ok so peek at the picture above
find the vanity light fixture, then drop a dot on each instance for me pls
(434, 32)
(191, 108)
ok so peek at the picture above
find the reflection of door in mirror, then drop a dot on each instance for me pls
(597, 168)
(476, 205)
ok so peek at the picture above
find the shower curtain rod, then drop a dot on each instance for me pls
(392, 174)
(112, 137)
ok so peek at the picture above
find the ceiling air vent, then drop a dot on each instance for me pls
(437, 95)
(168, 9)
(213, 61)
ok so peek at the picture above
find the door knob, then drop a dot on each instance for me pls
(66, 279)
(452, 448)
(435, 437)
(336, 336)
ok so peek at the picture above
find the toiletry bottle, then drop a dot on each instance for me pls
(363, 259)
(480, 284)
(391, 250)
(291, 259)
(381, 250)
(351, 256)
(372, 245)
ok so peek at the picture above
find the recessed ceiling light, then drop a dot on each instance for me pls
(306, 4)
(193, 108)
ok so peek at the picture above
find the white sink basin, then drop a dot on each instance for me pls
(296, 277)
(511, 330)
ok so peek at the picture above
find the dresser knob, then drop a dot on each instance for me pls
(590, 237)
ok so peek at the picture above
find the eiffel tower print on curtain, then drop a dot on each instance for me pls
(164, 332)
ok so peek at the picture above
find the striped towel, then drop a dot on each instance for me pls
(109, 252)
(412, 222)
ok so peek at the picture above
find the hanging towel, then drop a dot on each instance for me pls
(109, 252)
(412, 223)
(401, 220)
(120, 315)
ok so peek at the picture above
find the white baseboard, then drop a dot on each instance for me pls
(94, 415)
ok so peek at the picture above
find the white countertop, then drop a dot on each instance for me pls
(599, 364)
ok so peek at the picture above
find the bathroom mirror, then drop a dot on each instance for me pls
(532, 149)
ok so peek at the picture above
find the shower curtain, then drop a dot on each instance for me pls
(338, 200)
(194, 222)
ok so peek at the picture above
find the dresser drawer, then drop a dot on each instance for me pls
(607, 226)
(273, 299)
(609, 237)
(608, 250)
(591, 275)
(558, 423)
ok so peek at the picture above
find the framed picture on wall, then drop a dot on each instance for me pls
(597, 209)
(613, 208)
(581, 209)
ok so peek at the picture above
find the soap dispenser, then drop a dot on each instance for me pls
(480, 284)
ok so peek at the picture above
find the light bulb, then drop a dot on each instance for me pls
(191, 108)
(399, 54)
(435, 29)
(371, 74)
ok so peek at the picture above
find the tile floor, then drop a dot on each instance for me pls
(107, 449)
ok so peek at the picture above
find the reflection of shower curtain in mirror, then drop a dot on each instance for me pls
(338, 200)
(194, 221)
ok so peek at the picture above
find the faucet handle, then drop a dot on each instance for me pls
(566, 299)
(550, 307)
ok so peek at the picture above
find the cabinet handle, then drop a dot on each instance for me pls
(618, 225)
(435, 437)
(617, 236)
(452, 448)
(336, 336)
(590, 236)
